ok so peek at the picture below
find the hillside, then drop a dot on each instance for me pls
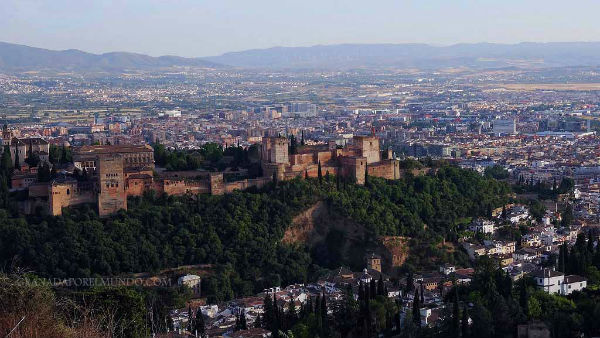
(258, 238)
(20, 58)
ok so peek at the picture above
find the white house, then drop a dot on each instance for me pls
(525, 255)
(447, 269)
(192, 281)
(573, 283)
(482, 225)
(553, 281)
(517, 214)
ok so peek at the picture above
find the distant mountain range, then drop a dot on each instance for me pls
(19, 58)
(422, 56)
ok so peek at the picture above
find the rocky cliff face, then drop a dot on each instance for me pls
(335, 240)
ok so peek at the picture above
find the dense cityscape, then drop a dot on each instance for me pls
(116, 143)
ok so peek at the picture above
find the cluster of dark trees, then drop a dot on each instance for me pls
(497, 171)
(496, 306)
(60, 155)
(543, 189)
(211, 156)
(6, 171)
(581, 259)
(240, 233)
(174, 160)
(293, 145)
(371, 313)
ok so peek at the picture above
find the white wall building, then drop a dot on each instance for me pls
(553, 281)
(482, 225)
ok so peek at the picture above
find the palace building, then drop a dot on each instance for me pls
(114, 172)
(353, 160)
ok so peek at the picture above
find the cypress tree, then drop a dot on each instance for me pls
(200, 325)
(465, 322)
(372, 289)
(410, 282)
(455, 315)
(416, 309)
(524, 298)
(191, 325)
(17, 166)
(305, 174)
(258, 321)
(302, 139)
(324, 322)
(317, 305)
(292, 314)
(320, 173)
(380, 285)
(361, 293)
(269, 313)
(243, 323)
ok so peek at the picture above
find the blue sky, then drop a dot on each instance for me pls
(211, 27)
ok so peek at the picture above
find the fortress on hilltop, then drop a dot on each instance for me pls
(352, 160)
(111, 173)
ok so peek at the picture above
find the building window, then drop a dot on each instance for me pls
(68, 192)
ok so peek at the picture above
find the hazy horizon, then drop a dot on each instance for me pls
(307, 46)
(208, 28)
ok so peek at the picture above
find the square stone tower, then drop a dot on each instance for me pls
(111, 181)
(275, 150)
(369, 148)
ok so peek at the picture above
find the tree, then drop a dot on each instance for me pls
(191, 323)
(6, 164)
(482, 322)
(380, 285)
(320, 173)
(373, 288)
(17, 165)
(524, 297)
(200, 328)
(44, 173)
(567, 216)
(302, 139)
(269, 313)
(33, 160)
(410, 282)
(258, 322)
(292, 315)
(324, 318)
(455, 330)
(465, 322)
(243, 322)
(305, 174)
(293, 145)
(416, 309)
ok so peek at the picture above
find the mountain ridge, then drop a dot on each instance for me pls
(484, 55)
(418, 55)
(20, 58)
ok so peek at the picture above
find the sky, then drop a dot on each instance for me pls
(211, 27)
